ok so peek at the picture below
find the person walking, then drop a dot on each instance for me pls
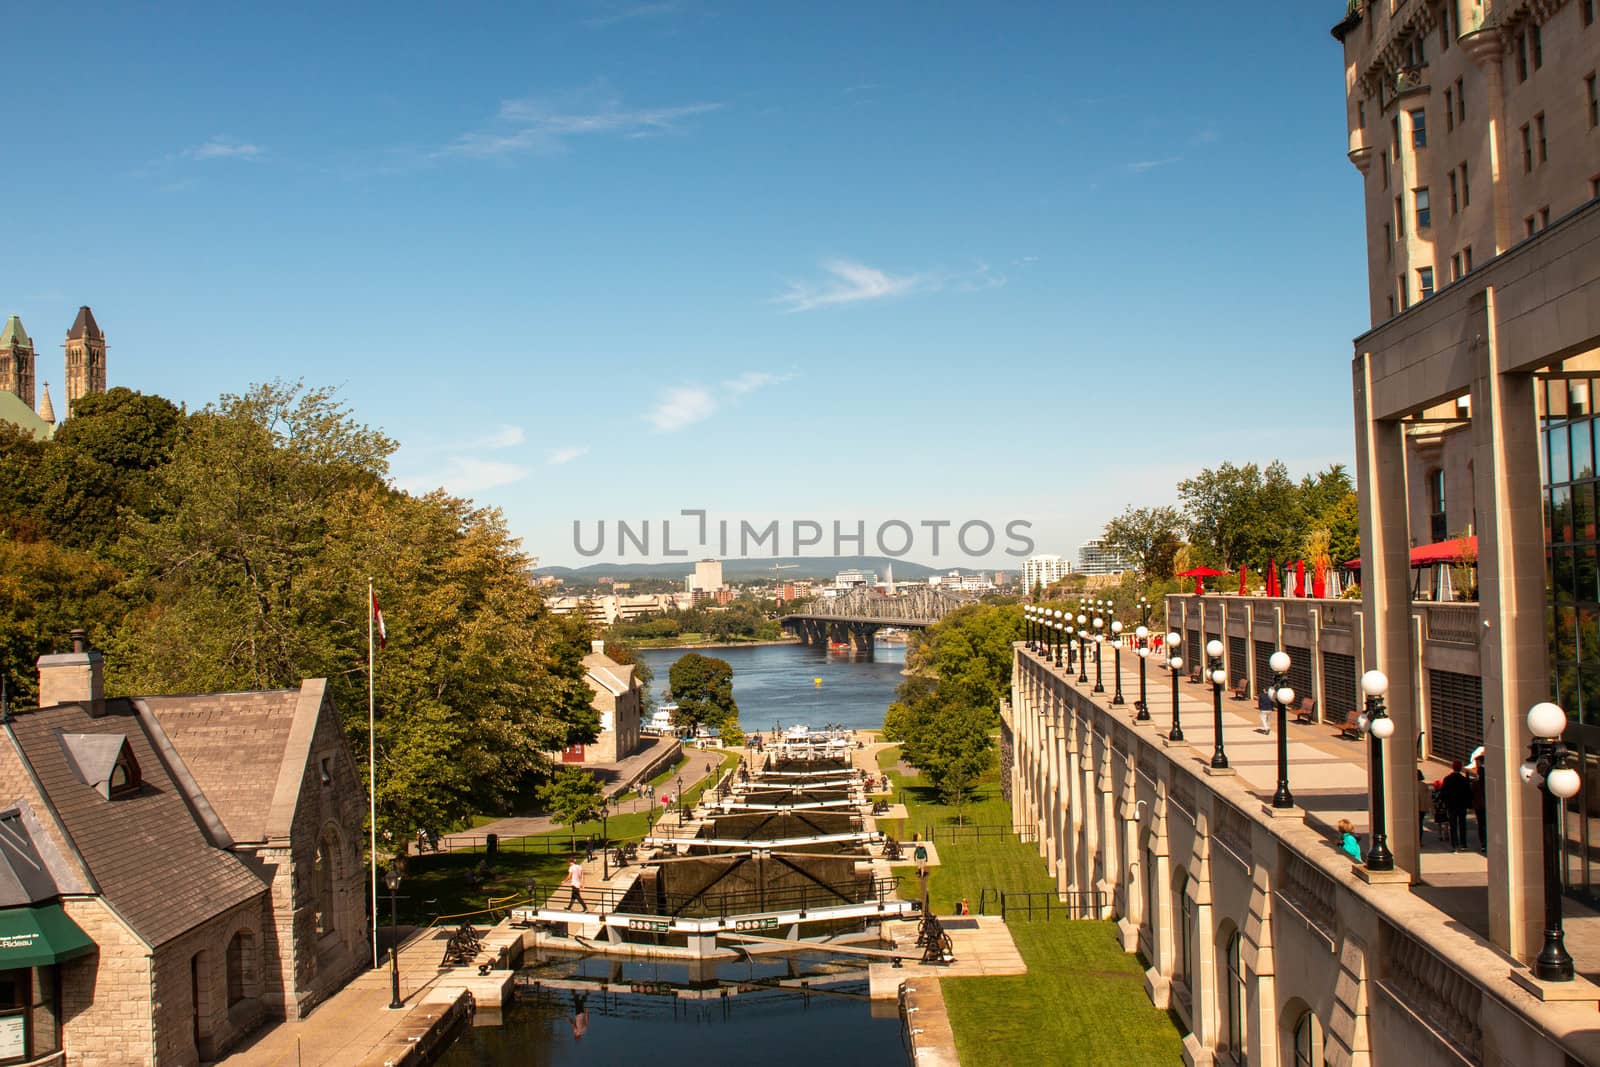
(1479, 808)
(575, 882)
(1424, 805)
(1265, 707)
(1456, 792)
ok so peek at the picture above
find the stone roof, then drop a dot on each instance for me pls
(47, 410)
(85, 326)
(152, 853)
(218, 735)
(14, 411)
(14, 334)
(607, 674)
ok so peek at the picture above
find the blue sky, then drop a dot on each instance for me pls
(586, 260)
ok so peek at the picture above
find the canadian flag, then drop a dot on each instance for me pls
(377, 617)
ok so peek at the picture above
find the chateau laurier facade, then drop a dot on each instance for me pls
(1475, 125)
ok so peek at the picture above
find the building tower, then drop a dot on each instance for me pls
(47, 410)
(16, 361)
(86, 358)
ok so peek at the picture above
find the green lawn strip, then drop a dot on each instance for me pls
(1082, 1000)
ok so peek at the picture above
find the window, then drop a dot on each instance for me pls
(124, 778)
(1388, 240)
(1183, 966)
(1361, 114)
(322, 877)
(1461, 101)
(1527, 150)
(1544, 218)
(1419, 129)
(1544, 146)
(1455, 275)
(1399, 217)
(1437, 527)
(1587, 7)
(1444, 28)
(1594, 101)
(1308, 1042)
(1386, 168)
(1528, 228)
(1235, 997)
(1425, 287)
(1394, 129)
(1391, 307)
(240, 963)
(1466, 190)
(1466, 258)
(1522, 56)
(1401, 282)
(1455, 194)
(1424, 213)
(1536, 38)
(1594, 188)
(1449, 111)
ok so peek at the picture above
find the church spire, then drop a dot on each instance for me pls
(47, 410)
(86, 358)
(16, 361)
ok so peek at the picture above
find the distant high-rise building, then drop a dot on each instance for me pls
(707, 576)
(1095, 558)
(86, 358)
(1044, 570)
(849, 579)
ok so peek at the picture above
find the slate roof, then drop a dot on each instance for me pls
(220, 733)
(14, 334)
(24, 876)
(147, 851)
(84, 326)
(606, 673)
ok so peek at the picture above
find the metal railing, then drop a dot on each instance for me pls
(1044, 905)
(976, 831)
(798, 897)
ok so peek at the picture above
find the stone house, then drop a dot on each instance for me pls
(619, 700)
(174, 871)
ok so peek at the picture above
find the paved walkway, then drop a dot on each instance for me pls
(701, 765)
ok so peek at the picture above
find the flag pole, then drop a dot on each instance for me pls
(372, 776)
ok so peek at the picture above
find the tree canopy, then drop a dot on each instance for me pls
(702, 687)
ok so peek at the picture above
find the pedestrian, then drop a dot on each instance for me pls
(920, 853)
(1479, 809)
(1347, 840)
(575, 881)
(1265, 709)
(1424, 805)
(1456, 792)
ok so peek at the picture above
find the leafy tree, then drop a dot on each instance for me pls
(1150, 537)
(572, 797)
(956, 752)
(1242, 515)
(702, 687)
(625, 654)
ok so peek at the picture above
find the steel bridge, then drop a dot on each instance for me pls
(855, 617)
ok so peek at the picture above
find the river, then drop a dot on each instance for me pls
(796, 683)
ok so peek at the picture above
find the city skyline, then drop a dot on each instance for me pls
(611, 242)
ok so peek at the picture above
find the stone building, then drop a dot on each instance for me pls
(174, 871)
(85, 373)
(619, 700)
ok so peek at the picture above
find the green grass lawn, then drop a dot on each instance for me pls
(1082, 1000)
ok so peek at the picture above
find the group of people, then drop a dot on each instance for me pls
(1448, 800)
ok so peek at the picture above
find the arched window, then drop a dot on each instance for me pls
(1183, 917)
(323, 870)
(1234, 999)
(240, 967)
(1150, 895)
(1308, 1041)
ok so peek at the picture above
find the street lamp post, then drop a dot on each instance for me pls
(1547, 771)
(1027, 627)
(1219, 677)
(1377, 725)
(1083, 651)
(1116, 662)
(1174, 640)
(391, 878)
(1142, 636)
(1057, 625)
(1282, 697)
(605, 844)
(680, 800)
(1099, 636)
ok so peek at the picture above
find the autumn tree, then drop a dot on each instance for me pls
(1150, 537)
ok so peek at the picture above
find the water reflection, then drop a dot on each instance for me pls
(775, 1010)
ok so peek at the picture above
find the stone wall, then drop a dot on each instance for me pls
(105, 997)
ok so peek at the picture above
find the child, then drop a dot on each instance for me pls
(1347, 839)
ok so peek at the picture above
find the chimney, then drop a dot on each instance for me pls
(597, 647)
(76, 677)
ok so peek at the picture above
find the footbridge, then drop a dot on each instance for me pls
(855, 617)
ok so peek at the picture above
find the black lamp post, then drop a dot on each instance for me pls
(1083, 652)
(1219, 676)
(1378, 727)
(1282, 696)
(605, 844)
(1142, 636)
(1099, 636)
(680, 800)
(1027, 628)
(1174, 640)
(1057, 628)
(391, 878)
(1547, 771)
(1116, 659)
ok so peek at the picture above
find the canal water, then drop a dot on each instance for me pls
(794, 683)
(795, 1011)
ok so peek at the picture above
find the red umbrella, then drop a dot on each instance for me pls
(1319, 580)
(1200, 574)
(1272, 578)
(1244, 576)
(1300, 578)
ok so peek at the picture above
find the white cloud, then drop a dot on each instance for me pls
(751, 380)
(682, 406)
(629, 13)
(223, 148)
(547, 123)
(566, 454)
(466, 474)
(1151, 164)
(849, 282)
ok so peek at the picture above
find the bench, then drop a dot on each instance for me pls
(1307, 714)
(1349, 727)
(1241, 689)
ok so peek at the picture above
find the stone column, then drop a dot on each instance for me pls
(1105, 788)
(1513, 646)
(1386, 600)
(1157, 978)
(1261, 987)
(1076, 881)
(1052, 777)
(1198, 1046)
(1090, 819)
(1133, 861)
(1063, 815)
(1487, 48)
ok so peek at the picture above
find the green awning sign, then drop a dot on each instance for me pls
(38, 936)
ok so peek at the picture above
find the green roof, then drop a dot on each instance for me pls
(14, 411)
(38, 936)
(14, 334)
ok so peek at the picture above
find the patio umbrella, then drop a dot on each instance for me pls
(1272, 578)
(1300, 578)
(1444, 588)
(1319, 580)
(1335, 583)
(1244, 577)
(1200, 574)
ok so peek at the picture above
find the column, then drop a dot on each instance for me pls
(1106, 790)
(1261, 987)
(1198, 1046)
(1513, 648)
(1075, 796)
(1157, 979)
(1089, 820)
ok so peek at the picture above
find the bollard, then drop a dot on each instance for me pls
(491, 845)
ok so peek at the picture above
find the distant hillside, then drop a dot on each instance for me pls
(746, 570)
